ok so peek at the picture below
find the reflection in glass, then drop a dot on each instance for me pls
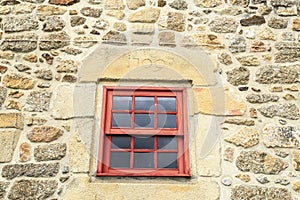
(167, 142)
(166, 121)
(121, 120)
(121, 103)
(145, 142)
(144, 103)
(119, 159)
(143, 120)
(167, 160)
(166, 103)
(120, 142)
(143, 160)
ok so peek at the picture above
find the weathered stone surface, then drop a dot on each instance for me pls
(44, 134)
(261, 98)
(21, 67)
(24, 151)
(287, 11)
(225, 59)
(176, 21)
(85, 41)
(243, 3)
(30, 170)
(114, 5)
(296, 186)
(223, 25)
(38, 101)
(8, 141)
(288, 111)
(259, 162)
(146, 15)
(63, 2)
(3, 93)
(77, 20)
(243, 177)
(250, 192)
(237, 44)
(166, 39)
(30, 57)
(245, 137)
(266, 34)
(67, 66)
(230, 10)
(209, 41)
(8, 55)
(91, 12)
(285, 3)
(280, 136)
(238, 76)
(229, 154)
(208, 3)
(46, 10)
(12, 104)
(264, 9)
(24, 8)
(15, 94)
(248, 60)
(69, 78)
(296, 159)
(258, 46)
(32, 189)
(296, 24)
(53, 23)
(142, 28)
(277, 23)
(179, 5)
(4, 10)
(135, 4)
(20, 23)
(45, 74)
(18, 81)
(288, 36)
(254, 20)
(3, 188)
(141, 39)
(120, 26)
(275, 74)
(54, 41)
(114, 37)
(118, 14)
(71, 51)
(20, 43)
(50, 152)
(236, 121)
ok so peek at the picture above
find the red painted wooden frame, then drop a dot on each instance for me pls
(181, 132)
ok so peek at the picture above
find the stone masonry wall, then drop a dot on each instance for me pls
(46, 142)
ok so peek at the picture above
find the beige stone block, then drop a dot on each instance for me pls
(11, 120)
(81, 188)
(245, 137)
(146, 15)
(8, 143)
(217, 101)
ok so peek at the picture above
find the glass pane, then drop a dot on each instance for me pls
(144, 120)
(119, 159)
(120, 142)
(146, 142)
(121, 103)
(167, 160)
(166, 103)
(121, 120)
(143, 160)
(144, 103)
(166, 121)
(167, 142)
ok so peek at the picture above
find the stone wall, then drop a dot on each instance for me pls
(239, 60)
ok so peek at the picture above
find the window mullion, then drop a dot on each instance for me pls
(131, 152)
(155, 152)
(132, 111)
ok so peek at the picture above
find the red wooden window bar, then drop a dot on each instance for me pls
(143, 132)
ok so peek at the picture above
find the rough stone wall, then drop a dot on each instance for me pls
(45, 145)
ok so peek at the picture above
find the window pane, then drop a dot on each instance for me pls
(144, 142)
(121, 120)
(167, 160)
(119, 159)
(166, 121)
(167, 142)
(143, 160)
(144, 103)
(144, 120)
(120, 142)
(166, 103)
(121, 103)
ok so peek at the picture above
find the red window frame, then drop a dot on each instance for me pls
(180, 132)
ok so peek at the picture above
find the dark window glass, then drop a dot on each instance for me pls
(121, 120)
(143, 160)
(120, 142)
(146, 142)
(166, 121)
(167, 160)
(166, 103)
(119, 159)
(121, 103)
(167, 142)
(144, 103)
(143, 120)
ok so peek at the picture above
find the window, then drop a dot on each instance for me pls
(144, 132)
